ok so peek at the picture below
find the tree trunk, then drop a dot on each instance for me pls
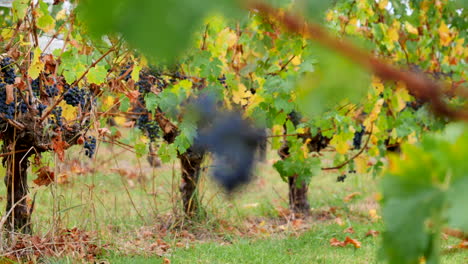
(297, 191)
(190, 163)
(16, 181)
(298, 196)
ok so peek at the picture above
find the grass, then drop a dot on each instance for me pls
(133, 213)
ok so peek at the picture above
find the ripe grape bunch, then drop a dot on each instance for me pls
(52, 90)
(75, 96)
(233, 141)
(8, 78)
(90, 146)
(357, 140)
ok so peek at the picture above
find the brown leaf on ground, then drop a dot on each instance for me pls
(373, 233)
(339, 221)
(166, 261)
(129, 174)
(297, 223)
(283, 212)
(353, 242)
(461, 245)
(351, 196)
(334, 242)
(349, 230)
(45, 176)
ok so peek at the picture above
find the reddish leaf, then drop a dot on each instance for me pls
(349, 230)
(372, 233)
(336, 243)
(58, 145)
(351, 196)
(353, 242)
(45, 176)
(10, 93)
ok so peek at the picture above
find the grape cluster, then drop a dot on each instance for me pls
(23, 107)
(90, 146)
(7, 109)
(57, 113)
(52, 90)
(234, 142)
(222, 80)
(124, 70)
(151, 128)
(7, 70)
(35, 87)
(357, 140)
(341, 178)
(75, 96)
(41, 108)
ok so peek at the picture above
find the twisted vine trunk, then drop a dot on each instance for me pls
(190, 163)
(298, 202)
(16, 181)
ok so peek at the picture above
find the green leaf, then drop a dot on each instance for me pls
(19, 8)
(124, 104)
(167, 152)
(97, 75)
(141, 149)
(151, 101)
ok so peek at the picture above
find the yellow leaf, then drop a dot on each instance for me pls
(361, 164)
(68, 112)
(412, 139)
(373, 114)
(108, 102)
(402, 96)
(393, 34)
(119, 120)
(36, 65)
(7, 33)
(305, 149)
(340, 144)
(61, 15)
(136, 72)
(241, 95)
(377, 84)
(144, 139)
(383, 4)
(329, 16)
(411, 29)
(444, 34)
(373, 214)
(296, 60)
(254, 101)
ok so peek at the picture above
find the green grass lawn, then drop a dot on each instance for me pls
(129, 208)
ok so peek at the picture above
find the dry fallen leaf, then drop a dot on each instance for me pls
(339, 221)
(334, 242)
(372, 233)
(351, 196)
(353, 242)
(349, 230)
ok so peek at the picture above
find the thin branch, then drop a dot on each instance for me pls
(417, 84)
(47, 113)
(355, 156)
